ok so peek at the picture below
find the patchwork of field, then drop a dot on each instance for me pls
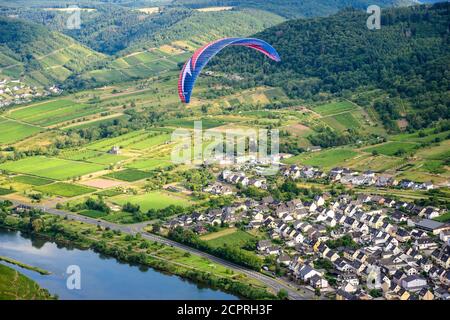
(53, 112)
(140, 65)
(52, 168)
(13, 131)
(152, 200)
(136, 140)
(64, 189)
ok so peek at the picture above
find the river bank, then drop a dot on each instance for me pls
(24, 265)
(138, 251)
(16, 286)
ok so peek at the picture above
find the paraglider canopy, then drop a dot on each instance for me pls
(201, 57)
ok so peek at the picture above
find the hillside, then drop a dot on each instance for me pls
(162, 51)
(294, 8)
(38, 56)
(16, 286)
(208, 26)
(112, 28)
(400, 70)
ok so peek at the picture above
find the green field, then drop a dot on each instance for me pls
(444, 218)
(4, 192)
(391, 148)
(235, 239)
(183, 123)
(149, 164)
(93, 214)
(151, 141)
(106, 159)
(121, 141)
(436, 152)
(16, 286)
(129, 175)
(13, 131)
(325, 159)
(108, 193)
(53, 112)
(64, 189)
(53, 168)
(33, 181)
(78, 155)
(334, 108)
(152, 200)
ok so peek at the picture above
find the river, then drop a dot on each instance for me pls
(102, 277)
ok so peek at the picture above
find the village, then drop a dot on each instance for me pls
(347, 247)
(16, 92)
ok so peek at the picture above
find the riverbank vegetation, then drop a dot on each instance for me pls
(25, 266)
(137, 250)
(15, 286)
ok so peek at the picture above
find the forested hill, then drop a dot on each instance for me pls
(408, 59)
(295, 8)
(38, 56)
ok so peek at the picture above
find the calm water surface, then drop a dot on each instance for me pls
(101, 277)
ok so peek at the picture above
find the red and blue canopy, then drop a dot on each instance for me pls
(201, 57)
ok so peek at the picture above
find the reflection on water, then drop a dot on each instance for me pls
(102, 277)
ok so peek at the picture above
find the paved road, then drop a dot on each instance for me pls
(275, 284)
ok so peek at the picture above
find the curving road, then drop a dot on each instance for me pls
(274, 283)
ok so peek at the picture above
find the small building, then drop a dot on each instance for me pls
(413, 283)
(114, 150)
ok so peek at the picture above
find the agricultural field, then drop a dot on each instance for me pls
(334, 108)
(393, 148)
(230, 237)
(52, 168)
(64, 189)
(4, 192)
(53, 112)
(152, 200)
(141, 138)
(93, 214)
(342, 121)
(149, 164)
(184, 123)
(129, 175)
(440, 151)
(377, 163)
(12, 131)
(106, 159)
(32, 181)
(325, 159)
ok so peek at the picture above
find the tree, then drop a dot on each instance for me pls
(282, 294)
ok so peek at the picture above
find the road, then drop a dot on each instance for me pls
(274, 283)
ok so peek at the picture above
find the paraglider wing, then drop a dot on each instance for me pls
(201, 57)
